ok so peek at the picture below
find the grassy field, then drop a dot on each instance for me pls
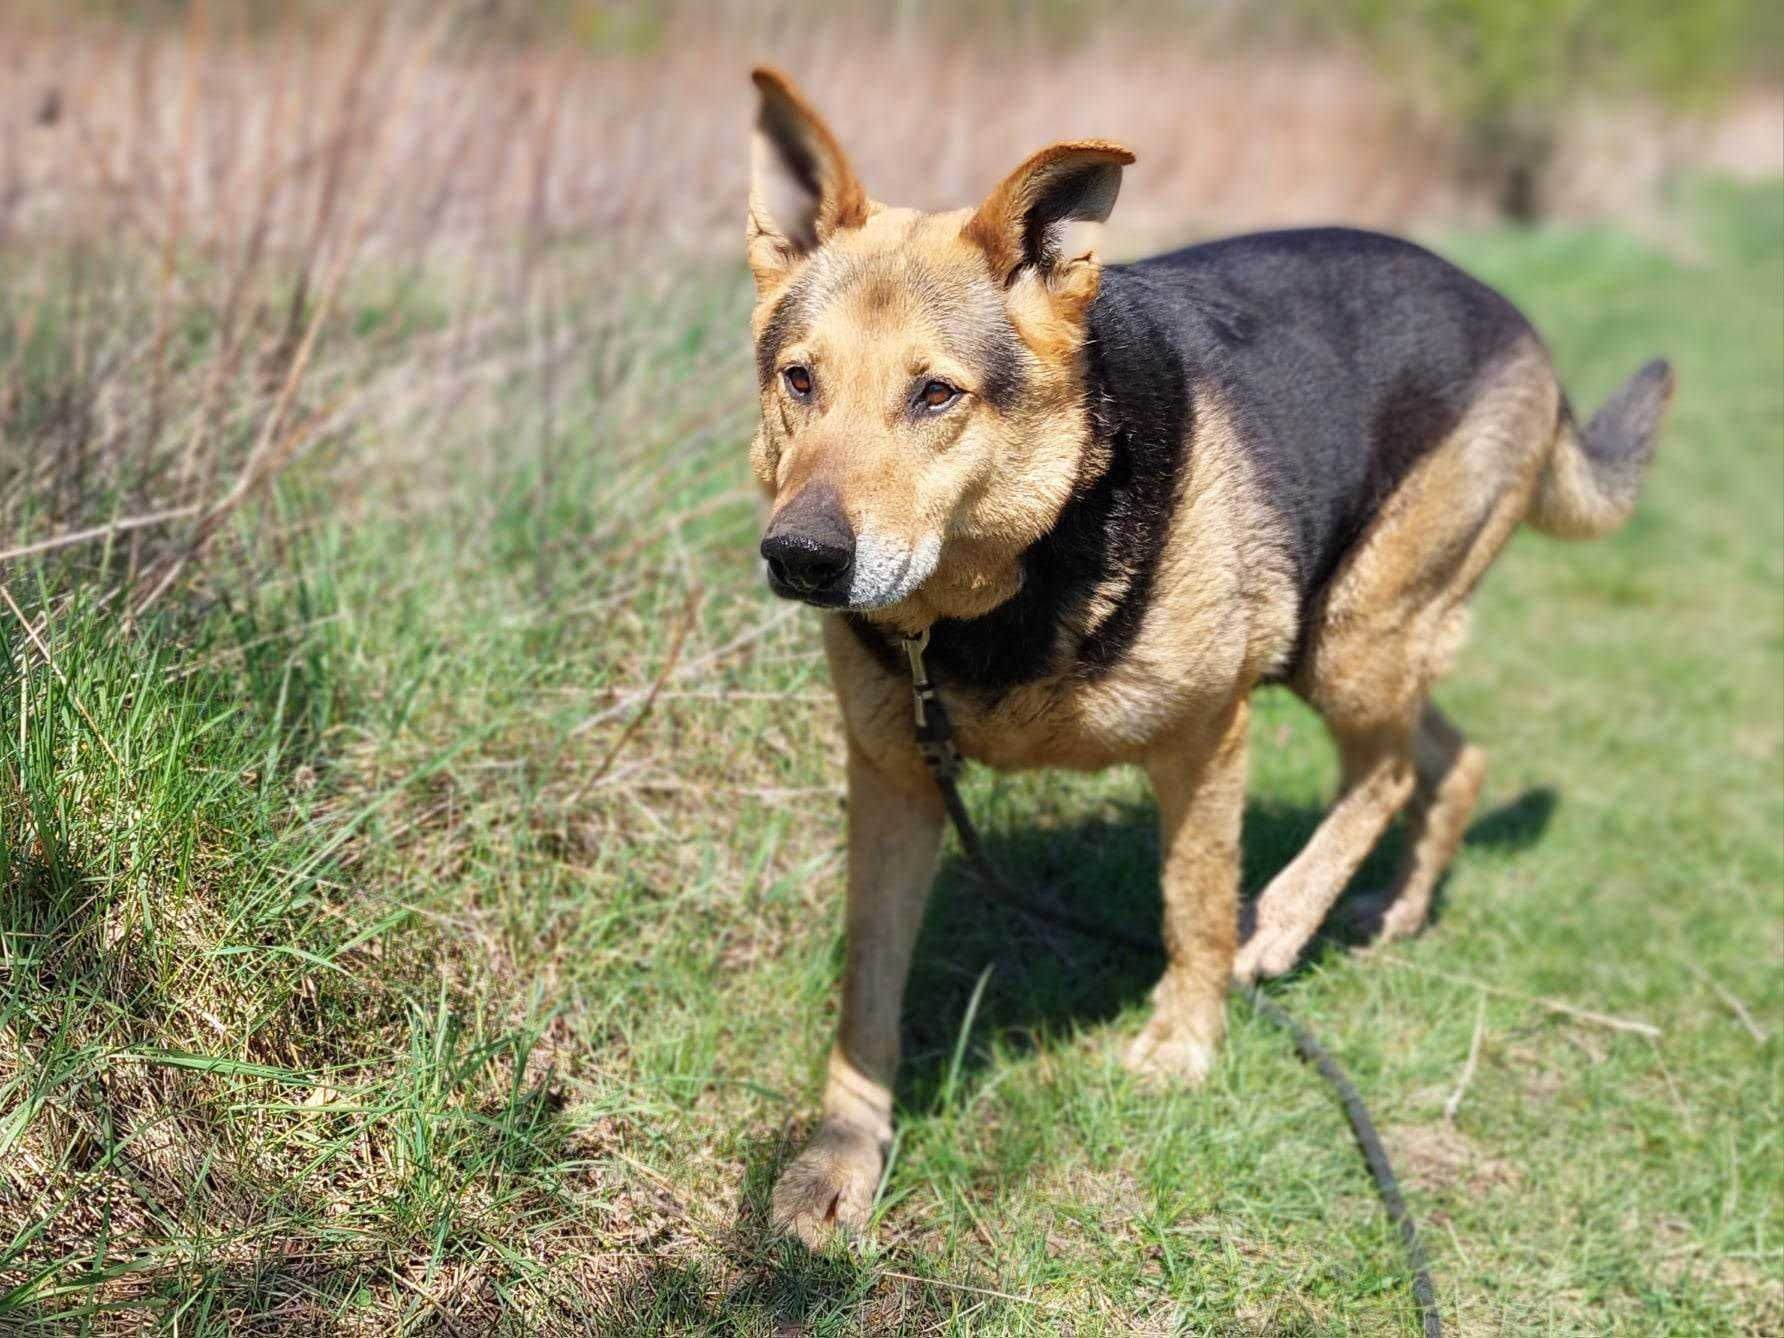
(427, 916)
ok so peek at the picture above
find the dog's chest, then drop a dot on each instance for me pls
(1081, 724)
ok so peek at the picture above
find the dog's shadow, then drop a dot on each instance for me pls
(1047, 981)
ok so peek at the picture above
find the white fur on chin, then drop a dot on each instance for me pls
(886, 570)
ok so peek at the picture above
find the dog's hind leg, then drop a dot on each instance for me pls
(1388, 627)
(1378, 778)
(1450, 770)
(895, 827)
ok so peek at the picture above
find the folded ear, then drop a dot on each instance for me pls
(802, 189)
(1028, 220)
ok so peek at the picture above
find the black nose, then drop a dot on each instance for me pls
(807, 565)
(810, 547)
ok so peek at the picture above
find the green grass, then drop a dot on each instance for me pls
(369, 955)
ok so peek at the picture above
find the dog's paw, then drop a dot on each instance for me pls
(1400, 920)
(830, 1186)
(1174, 1058)
(1178, 1043)
(1392, 922)
(1270, 951)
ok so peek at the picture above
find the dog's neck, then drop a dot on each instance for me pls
(1069, 603)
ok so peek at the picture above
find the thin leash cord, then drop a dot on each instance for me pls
(1381, 1170)
(934, 739)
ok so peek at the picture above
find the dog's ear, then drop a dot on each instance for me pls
(1046, 214)
(802, 189)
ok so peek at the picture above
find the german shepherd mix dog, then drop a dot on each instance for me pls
(1118, 498)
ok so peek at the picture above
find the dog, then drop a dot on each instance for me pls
(1118, 498)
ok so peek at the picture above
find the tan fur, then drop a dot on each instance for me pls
(1391, 622)
(1448, 773)
(997, 226)
(1199, 777)
(895, 826)
(1221, 616)
(1569, 502)
(841, 203)
(986, 485)
(1184, 668)
(1578, 498)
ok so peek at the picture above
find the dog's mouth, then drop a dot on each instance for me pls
(879, 575)
(837, 598)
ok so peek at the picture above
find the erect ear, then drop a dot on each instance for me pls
(1028, 221)
(802, 189)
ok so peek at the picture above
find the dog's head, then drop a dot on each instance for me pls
(922, 375)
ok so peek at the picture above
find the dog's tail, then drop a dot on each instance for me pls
(1592, 478)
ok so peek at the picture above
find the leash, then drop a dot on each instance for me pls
(935, 741)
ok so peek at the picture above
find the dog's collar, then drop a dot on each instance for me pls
(935, 732)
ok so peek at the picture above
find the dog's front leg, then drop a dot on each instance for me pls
(895, 826)
(1199, 777)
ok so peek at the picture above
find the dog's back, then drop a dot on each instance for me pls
(1345, 357)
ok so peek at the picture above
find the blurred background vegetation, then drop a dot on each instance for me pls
(1511, 71)
(1508, 80)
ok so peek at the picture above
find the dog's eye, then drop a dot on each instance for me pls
(798, 381)
(938, 395)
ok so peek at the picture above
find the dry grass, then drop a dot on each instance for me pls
(217, 136)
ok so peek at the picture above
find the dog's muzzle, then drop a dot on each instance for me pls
(810, 549)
